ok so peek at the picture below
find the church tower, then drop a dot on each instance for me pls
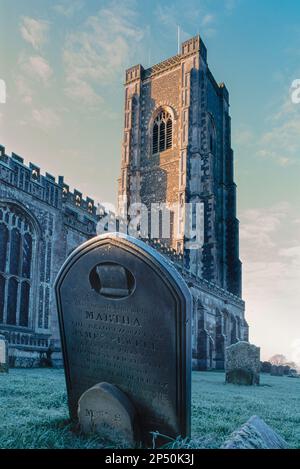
(177, 151)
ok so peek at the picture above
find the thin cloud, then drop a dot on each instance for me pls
(34, 31)
(280, 142)
(230, 5)
(24, 90)
(69, 8)
(80, 90)
(259, 227)
(45, 118)
(270, 253)
(197, 17)
(98, 52)
(243, 135)
(37, 68)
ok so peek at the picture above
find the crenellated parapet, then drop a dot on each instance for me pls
(79, 212)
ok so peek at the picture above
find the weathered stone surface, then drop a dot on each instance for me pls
(255, 434)
(3, 355)
(129, 327)
(242, 363)
(277, 370)
(106, 410)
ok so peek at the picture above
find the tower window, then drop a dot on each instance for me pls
(162, 134)
(212, 136)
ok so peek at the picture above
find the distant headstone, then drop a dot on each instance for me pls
(265, 367)
(242, 363)
(125, 318)
(106, 410)
(255, 434)
(277, 370)
(3, 354)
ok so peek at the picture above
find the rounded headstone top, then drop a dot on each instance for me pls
(122, 239)
(104, 409)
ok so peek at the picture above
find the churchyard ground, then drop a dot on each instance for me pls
(34, 411)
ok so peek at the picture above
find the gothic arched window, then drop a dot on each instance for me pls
(212, 135)
(162, 132)
(17, 236)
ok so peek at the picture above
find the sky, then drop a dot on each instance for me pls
(63, 63)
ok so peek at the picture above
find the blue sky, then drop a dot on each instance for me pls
(63, 62)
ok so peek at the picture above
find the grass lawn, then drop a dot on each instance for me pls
(34, 411)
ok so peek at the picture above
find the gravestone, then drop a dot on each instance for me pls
(242, 363)
(106, 410)
(125, 318)
(265, 367)
(277, 370)
(255, 434)
(3, 354)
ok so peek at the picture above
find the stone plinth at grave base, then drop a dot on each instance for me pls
(242, 363)
(104, 409)
(3, 355)
(255, 434)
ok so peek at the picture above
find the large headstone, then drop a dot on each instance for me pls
(125, 318)
(106, 410)
(3, 354)
(242, 363)
(255, 434)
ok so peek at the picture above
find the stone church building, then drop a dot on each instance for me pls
(41, 222)
(176, 151)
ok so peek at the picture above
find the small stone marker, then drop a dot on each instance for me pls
(242, 363)
(125, 319)
(3, 354)
(255, 434)
(106, 410)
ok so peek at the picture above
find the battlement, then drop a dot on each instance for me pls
(15, 172)
(134, 73)
(192, 45)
